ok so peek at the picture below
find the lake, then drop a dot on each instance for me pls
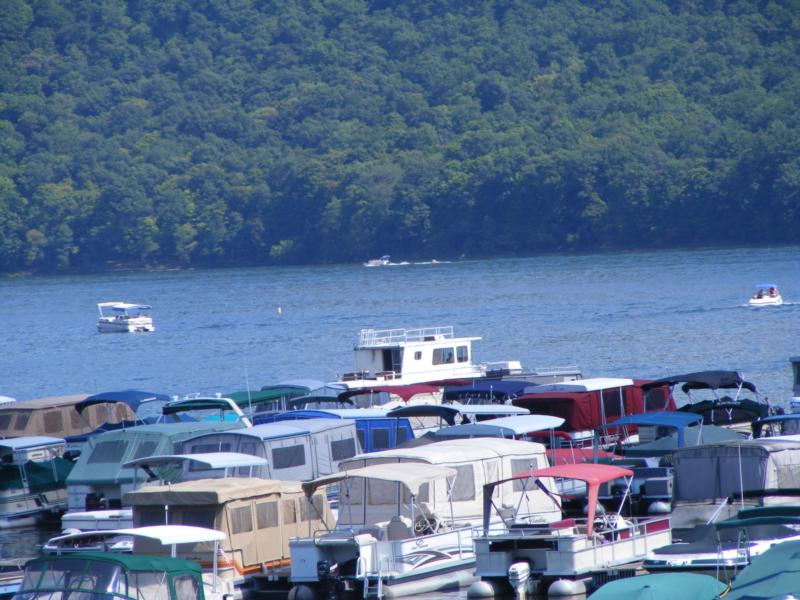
(636, 314)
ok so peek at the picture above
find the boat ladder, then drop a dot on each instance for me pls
(373, 582)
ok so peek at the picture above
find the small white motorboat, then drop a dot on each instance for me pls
(766, 294)
(121, 317)
(383, 261)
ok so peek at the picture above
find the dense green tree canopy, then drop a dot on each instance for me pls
(164, 132)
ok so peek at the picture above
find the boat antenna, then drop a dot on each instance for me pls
(247, 385)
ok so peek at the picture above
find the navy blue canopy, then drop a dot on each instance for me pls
(704, 380)
(133, 398)
(675, 419)
(489, 389)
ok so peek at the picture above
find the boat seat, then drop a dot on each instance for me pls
(397, 529)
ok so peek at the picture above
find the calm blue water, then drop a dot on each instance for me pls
(645, 314)
(628, 314)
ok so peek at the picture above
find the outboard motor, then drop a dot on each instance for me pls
(519, 576)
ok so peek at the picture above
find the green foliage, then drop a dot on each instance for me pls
(171, 132)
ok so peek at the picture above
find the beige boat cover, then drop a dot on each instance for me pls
(205, 492)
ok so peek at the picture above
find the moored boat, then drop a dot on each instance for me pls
(33, 476)
(521, 556)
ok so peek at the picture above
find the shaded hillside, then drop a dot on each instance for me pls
(227, 131)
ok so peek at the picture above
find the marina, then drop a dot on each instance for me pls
(411, 390)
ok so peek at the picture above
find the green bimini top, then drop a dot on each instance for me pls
(774, 574)
(128, 562)
(662, 586)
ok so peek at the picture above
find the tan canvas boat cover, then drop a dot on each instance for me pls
(206, 492)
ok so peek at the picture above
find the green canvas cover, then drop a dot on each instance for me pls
(662, 586)
(49, 475)
(41, 477)
(131, 562)
(774, 574)
(246, 398)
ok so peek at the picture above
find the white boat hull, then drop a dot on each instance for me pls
(125, 325)
(766, 301)
(20, 508)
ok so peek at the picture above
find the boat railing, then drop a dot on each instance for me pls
(388, 337)
(632, 527)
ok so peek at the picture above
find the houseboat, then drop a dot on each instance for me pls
(123, 317)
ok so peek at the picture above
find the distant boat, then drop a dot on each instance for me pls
(383, 261)
(121, 317)
(766, 294)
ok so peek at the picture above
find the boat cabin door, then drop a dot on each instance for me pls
(393, 360)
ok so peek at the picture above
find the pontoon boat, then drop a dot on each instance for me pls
(121, 317)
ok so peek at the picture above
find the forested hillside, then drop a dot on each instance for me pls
(201, 132)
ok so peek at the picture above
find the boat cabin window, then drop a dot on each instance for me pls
(382, 492)
(185, 587)
(402, 435)
(312, 511)
(289, 512)
(656, 399)
(215, 447)
(341, 449)
(288, 456)
(198, 517)
(522, 465)
(362, 437)
(241, 520)
(612, 404)
(21, 422)
(53, 421)
(75, 419)
(267, 514)
(5, 421)
(148, 585)
(462, 354)
(418, 355)
(108, 452)
(380, 438)
(151, 516)
(464, 484)
(443, 356)
(145, 449)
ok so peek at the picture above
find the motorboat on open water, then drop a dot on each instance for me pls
(765, 294)
(122, 317)
(383, 261)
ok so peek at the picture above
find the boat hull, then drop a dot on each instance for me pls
(125, 325)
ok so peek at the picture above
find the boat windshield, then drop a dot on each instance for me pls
(78, 579)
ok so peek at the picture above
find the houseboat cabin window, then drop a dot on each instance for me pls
(289, 512)
(418, 355)
(151, 516)
(75, 419)
(309, 512)
(107, 452)
(522, 465)
(241, 520)
(145, 449)
(362, 437)
(248, 448)
(341, 449)
(267, 515)
(199, 517)
(380, 438)
(443, 356)
(5, 421)
(53, 421)
(462, 354)
(22, 422)
(185, 587)
(464, 485)
(288, 456)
